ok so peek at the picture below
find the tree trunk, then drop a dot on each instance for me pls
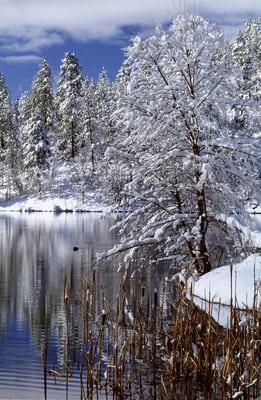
(72, 141)
(204, 263)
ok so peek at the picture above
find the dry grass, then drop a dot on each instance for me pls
(162, 346)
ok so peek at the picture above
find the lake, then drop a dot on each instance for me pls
(46, 263)
(37, 264)
(44, 258)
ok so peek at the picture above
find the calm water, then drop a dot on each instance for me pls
(37, 262)
(39, 332)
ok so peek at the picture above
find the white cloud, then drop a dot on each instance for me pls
(234, 6)
(29, 25)
(28, 58)
(29, 40)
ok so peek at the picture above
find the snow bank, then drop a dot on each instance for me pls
(216, 285)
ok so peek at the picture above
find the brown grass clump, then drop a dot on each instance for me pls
(155, 345)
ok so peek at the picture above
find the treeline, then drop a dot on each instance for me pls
(54, 140)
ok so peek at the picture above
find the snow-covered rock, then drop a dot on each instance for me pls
(57, 209)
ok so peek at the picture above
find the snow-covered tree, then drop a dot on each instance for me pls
(105, 108)
(8, 139)
(247, 55)
(89, 123)
(23, 113)
(106, 128)
(98, 132)
(117, 176)
(69, 103)
(246, 50)
(42, 94)
(190, 176)
(24, 107)
(36, 152)
(17, 148)
(6, 114)
(98, 106)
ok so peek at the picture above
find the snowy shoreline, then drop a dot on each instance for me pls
(52, 204)
(216, 284)
(213, 293)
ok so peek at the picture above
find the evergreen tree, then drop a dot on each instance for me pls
(42, 94)
(114, 186)
(90, 125)
(23, 109)
(69, 104)
(247, 55)
(246, 50)
(106, 105)
(5, 116)
(8, 139)
(17, 148)
(23, 113)
(89, 154)
(99, 104)
(36, 153)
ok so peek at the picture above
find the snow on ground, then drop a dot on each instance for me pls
(53, 204)
(216, 285)
(246, 281)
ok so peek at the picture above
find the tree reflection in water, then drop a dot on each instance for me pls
(44, 333)
(38, 269)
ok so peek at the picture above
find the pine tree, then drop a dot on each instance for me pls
(106, 105)
(246, 50)
(22, 116)
(90, 124)
(17, 148)
(247, 54)
(23, 113)
(36, 153)
(8, 139)
(99, 105)
(69, 103)
(114, 186)
(24, 108)
(42, 94)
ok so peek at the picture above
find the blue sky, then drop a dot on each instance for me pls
(93, 56)
(96, 30)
